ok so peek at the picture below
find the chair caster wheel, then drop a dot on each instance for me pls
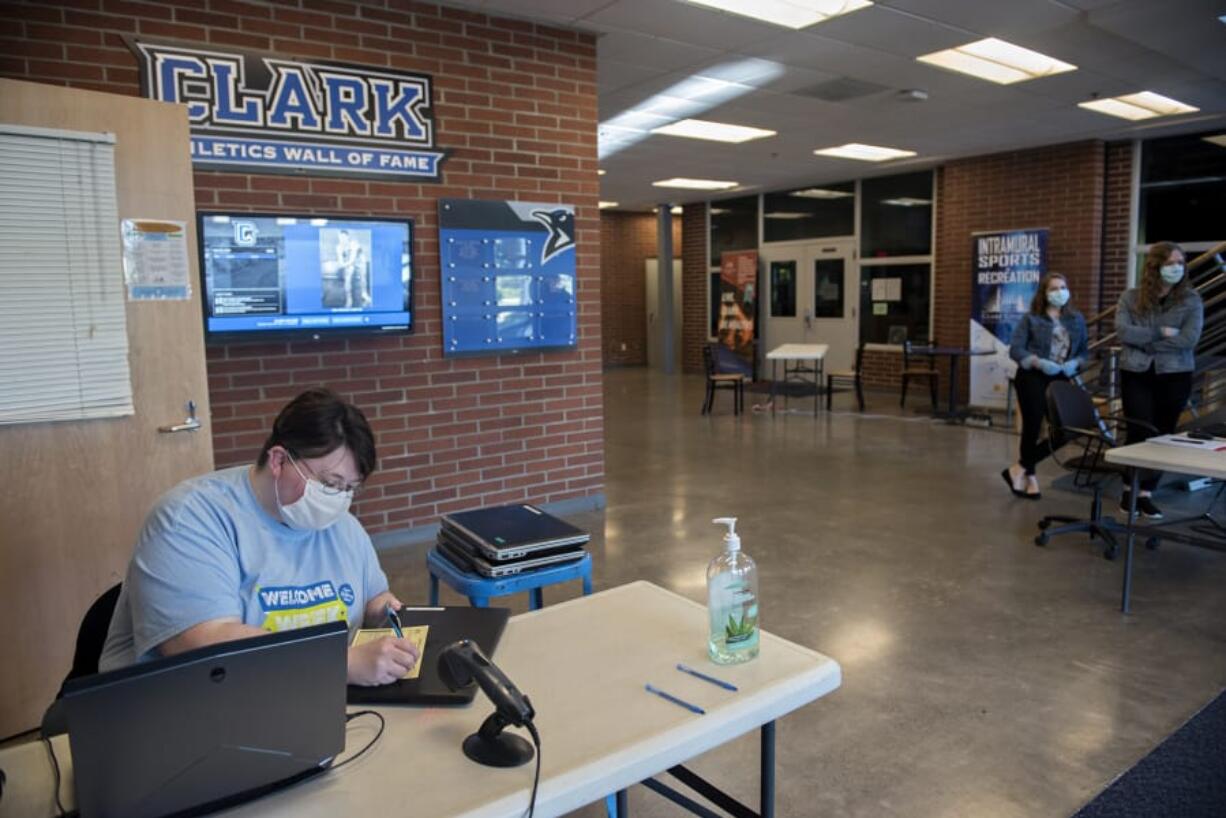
(1152, 543)
(1041, 539)
(1043, 524)
(1109, 553)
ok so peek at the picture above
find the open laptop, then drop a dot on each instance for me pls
(512, 532)
(468, 558)
(209, 728)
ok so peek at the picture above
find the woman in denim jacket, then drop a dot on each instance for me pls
(1159, 324)
(1050, 343)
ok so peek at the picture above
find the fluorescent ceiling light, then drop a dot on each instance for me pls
(220, 219)
(319, 222)
(1145, 105)
(601, 172)
(285, 221)
(604, 205)
(784, 215)
(1219, 139)
(790, 13)
(865, 153)
(821, 193)
(715, 131)
(907, 201)
(719, 211)
(694, 184)
(676, 210)
(997, 61)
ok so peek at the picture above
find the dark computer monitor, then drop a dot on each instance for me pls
(214, 726)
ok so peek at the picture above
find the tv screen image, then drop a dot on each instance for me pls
(304, 276)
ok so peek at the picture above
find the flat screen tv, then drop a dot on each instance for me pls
(278, 275)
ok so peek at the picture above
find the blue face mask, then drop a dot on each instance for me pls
(1172, 273)
(1057, 298)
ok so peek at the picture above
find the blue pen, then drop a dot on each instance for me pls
(393, 619)
(706, 678)
(668, 697)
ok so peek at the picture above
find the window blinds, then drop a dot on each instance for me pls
(63, 332)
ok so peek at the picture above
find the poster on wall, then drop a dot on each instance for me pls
(1006, 267)
(155, 265)
(262, 113)
(738, 309)
(508, 273)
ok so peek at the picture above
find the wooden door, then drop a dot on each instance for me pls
(77, 492)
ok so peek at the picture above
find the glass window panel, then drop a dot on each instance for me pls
(896, 215)
(828, 288)
(783, 288)
(813, 212)
(734, 226)
(894, 301)
(713, 294)
(1183, 190)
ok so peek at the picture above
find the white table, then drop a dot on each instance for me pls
(583, 663)
(1201, 461)
(814, 354)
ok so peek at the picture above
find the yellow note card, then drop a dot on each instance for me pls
(416, 635)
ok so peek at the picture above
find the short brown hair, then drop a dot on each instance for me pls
(317, 423)
(1038, 304)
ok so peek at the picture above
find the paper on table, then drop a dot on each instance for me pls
(416, 635)
(1185, 442)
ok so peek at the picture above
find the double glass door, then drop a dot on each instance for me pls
(812, 298)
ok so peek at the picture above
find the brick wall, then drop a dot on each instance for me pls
(695, 269)
(1059, 187)
(1117, 209)
(627, 240)
(515, 102)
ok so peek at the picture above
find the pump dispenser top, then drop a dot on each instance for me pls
(731, 541)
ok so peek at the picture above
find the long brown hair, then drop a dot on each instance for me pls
(1038, 304)
(1150, 285)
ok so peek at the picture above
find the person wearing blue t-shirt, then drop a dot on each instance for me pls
(262, 548)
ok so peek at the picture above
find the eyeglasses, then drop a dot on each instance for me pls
(330, 487)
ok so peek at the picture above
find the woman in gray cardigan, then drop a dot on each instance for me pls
(1159, 324)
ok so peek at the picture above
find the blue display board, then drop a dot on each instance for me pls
(508, 276)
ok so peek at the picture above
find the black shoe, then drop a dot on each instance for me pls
(1009, 482)
(1145, 507)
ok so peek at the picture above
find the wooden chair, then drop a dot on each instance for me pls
(918, 367)
(721, 380)
(848, 377)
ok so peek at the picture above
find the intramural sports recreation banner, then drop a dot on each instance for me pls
(1006, 268)
(738, 309)
(259, 112)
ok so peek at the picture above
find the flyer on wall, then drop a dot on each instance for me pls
(738, 309)
(1006, 267)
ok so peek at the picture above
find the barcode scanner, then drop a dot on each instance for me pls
(462, 663)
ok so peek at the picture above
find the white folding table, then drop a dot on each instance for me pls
(584, 664)
(1200, 459)
(813, 354)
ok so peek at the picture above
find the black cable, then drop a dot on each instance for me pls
(55, 769)
(350, 717)
(536, 779)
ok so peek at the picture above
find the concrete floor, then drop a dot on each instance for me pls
(983, 676)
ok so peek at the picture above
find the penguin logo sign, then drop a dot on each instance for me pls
(561, 226)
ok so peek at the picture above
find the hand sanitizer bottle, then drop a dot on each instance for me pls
(732, 601)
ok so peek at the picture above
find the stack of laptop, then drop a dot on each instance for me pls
(506, 540)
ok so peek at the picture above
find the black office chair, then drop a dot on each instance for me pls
(91, 638)
(918, 367)
(1072, 417)
(853, 376)
(721, 380)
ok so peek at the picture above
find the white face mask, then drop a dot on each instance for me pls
(1172, 273)
(316, 509)
(1057, 297)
